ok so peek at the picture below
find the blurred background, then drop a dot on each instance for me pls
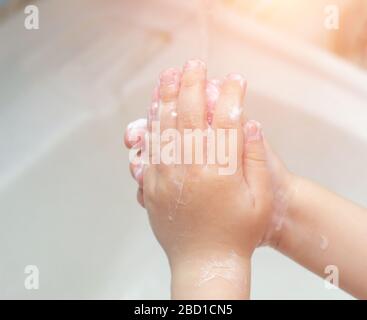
(69, 88)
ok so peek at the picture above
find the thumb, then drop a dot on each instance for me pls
(255, 159)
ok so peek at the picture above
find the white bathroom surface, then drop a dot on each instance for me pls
(67, 201)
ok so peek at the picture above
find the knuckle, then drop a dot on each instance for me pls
(191, 119)
(192, 79)
(168, 93)
(255, 159)
(224, 121)
(231, 88)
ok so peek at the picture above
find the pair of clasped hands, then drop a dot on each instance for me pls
(208, 223)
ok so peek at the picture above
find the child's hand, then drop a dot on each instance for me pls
(210, 223)
(197, 212)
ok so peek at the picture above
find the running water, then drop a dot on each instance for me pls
(203, 17)
(205, 8)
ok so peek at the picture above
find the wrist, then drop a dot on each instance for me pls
(211, 274)
(286, 202)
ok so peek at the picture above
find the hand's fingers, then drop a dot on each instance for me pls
(169, 85)
(212, 95)
(153, 109)
(168, 94)
(192, 97)
(229, 107)
(255, 164)
(227, 122)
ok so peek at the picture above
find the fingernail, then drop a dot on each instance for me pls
(194, 64)
(237, 77)
(253, 131)
(169, 77)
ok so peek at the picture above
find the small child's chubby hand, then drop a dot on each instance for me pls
(212, 203)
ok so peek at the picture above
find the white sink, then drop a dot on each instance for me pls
(67, 201)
